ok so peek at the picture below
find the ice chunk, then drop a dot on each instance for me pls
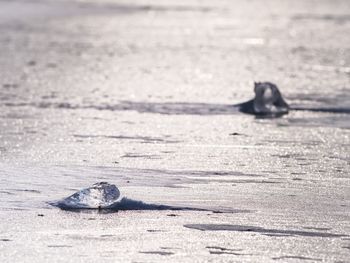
(268, 101)
(98, 196)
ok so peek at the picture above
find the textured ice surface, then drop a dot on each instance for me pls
(150, 90)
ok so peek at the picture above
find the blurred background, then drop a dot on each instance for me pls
(65, 61)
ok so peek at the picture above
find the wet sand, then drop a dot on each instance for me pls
(139, 94)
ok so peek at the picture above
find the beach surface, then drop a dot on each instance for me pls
(139, 94)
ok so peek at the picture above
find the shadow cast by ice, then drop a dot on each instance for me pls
(267, 103)
(125, 204)
(105, 197)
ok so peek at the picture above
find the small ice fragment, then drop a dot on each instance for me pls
(99, 195)
(268, 101)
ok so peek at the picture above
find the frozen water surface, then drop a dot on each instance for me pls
(140, 94)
